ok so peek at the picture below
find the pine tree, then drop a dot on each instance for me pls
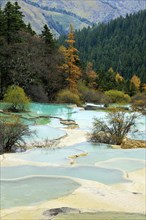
(1, 22)
(70, 67)
(47, 36)
(13, 22)
(30, 30)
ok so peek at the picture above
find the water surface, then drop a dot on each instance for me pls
(34, 190)
(98, 174)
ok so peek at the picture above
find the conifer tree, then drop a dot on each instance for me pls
(30, 30)
(13, 22)
(47, 36)
(70, 67)
(1, 22)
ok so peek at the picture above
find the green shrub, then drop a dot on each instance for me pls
(17, 98)
(66, 96)
(116, 96)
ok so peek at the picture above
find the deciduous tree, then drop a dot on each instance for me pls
(114, 129)
(12, 134)
(135, 81)
(70, 66)
(17, 98)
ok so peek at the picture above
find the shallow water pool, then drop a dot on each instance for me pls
(34, 190)
(103, 175)
(43, 133)
(57, 156)
(58, 110)
(128, 165)
(106, 154)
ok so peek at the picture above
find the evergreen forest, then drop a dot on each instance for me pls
(84, 65)
(120, 44)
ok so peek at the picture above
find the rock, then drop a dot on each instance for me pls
(78, 155)
(62, 210)
(73, 126)
(91, 106)
(70, 123)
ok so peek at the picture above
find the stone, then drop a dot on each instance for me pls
(62, 210)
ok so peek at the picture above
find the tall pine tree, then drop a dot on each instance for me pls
(13, 22)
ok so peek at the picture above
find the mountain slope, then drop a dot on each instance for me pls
(120, 44)
(58, 14)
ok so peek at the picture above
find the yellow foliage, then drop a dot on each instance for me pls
(135, 80)
(62, 49)
(119, 78)
(144, 87)
(17, 98)
(70, 67)
(111, 70)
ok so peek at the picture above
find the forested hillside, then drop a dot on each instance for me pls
(109, 57)
(26, 59)
(120, 44)
(58, 14)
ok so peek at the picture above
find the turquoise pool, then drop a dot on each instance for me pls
(102, 163)
(58, 110)
(80, 116)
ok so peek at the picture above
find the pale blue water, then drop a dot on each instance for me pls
(83, 118)
(128, 165)
(113, 161)
(98, 154)
(34, 190)
(140, 127)
(52, 156)
(58, 110)
(98, 174)
(44, 132)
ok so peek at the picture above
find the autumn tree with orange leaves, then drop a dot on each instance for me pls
(70, 67)
(135, 80)
(135, 84)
